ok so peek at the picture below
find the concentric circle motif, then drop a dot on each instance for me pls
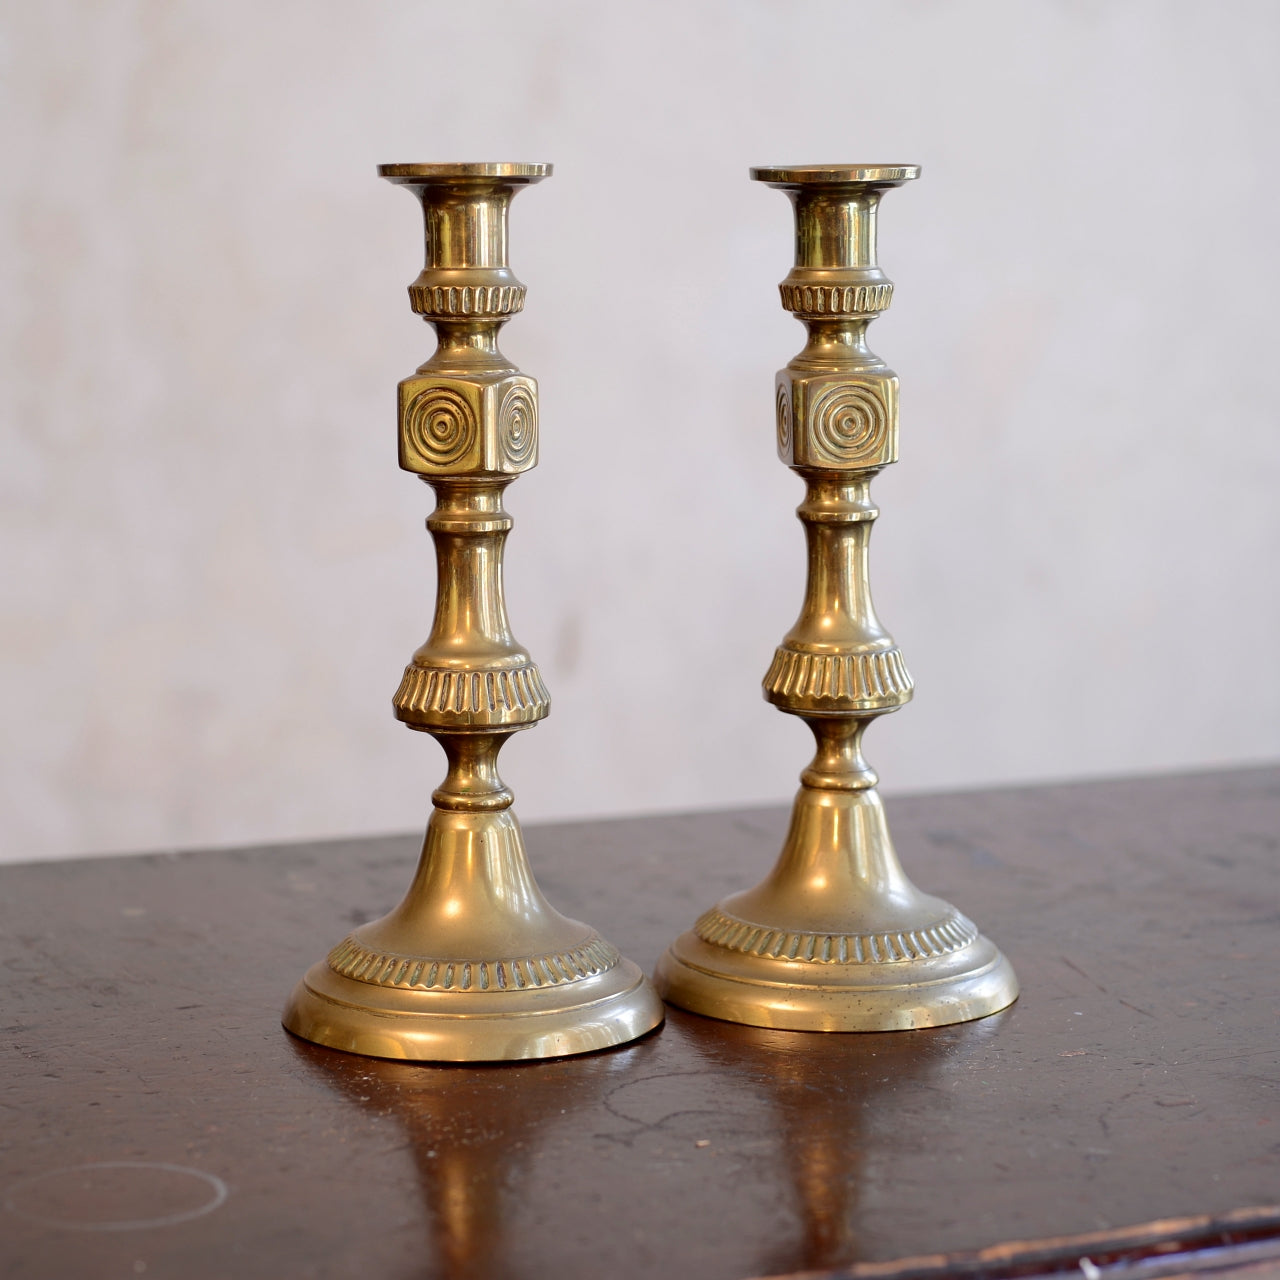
(784, 419)
(850, 423)
(518, 425)
(441, 425)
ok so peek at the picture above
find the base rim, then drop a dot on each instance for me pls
(962, 996)
(603, 1012)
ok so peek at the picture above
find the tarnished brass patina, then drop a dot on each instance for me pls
(837, 938)
(474, 964)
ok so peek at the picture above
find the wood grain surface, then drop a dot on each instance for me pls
(156, 1121)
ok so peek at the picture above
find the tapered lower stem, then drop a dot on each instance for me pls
(836, 938)
(473, 965)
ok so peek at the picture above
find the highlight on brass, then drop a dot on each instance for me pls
(837, 938)
(474, 964)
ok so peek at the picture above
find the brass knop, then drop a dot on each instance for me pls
(453, 426)
(837, 422)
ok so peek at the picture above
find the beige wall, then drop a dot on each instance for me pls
(214, 571)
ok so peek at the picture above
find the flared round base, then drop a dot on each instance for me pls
(597, 1012)
(803, 995)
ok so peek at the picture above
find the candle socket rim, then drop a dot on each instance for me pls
(521, 172)
(827, 175)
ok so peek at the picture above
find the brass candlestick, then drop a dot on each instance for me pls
(837, 938)
(474, 964)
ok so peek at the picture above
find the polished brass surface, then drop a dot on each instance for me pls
(474, 964)
(837, 938)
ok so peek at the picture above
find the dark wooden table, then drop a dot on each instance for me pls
(155, 1120)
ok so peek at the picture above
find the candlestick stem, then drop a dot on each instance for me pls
(475, 963)
(837, 938)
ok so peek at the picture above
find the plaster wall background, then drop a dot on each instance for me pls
(214, 571)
